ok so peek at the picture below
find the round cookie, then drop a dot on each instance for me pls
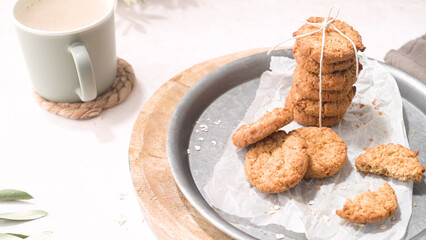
(306, 92)
(329, 109)
(313, 66)
(277, 163)
(263, 127)
(327, 151)
(307, 120)
(336, 47)
(336, 81)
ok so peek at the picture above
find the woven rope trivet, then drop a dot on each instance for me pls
(119, 91)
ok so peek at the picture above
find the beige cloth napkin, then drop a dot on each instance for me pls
(411, 58)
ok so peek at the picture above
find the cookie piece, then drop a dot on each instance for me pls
(327, 151)
(392, 160)
(313, 66)
(336, 81)
(370, 207)
(329, 109)
(307, 120)
(277, 163)
(336, 47)
(263, 127)
(306, 92)
(289, 102)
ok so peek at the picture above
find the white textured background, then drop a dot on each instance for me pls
(78, 170)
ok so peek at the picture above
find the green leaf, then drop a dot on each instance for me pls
(13, 194)
(23, 215)
(6, 236)
(40, 236)
(18, 235)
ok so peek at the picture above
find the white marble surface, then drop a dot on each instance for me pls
(78, 170)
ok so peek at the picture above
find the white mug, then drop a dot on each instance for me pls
(68, 63)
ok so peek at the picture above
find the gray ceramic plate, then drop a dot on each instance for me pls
(225, 95)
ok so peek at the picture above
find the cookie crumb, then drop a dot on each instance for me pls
(197, 122)
(383, 227)
(314, 211)
(265, 234)
(204, 128)
(364, 148)
(122, 196)
(357, 126)
(265, 212)
(343, 187)
(275, 201)
(326, 218)
(201, 139)
(415, 205)
(364, 123)
(100, 117)
(370, 139)
(319, 187)
(218, 122)
(361, 105)
(198, 148)
(311, 202)
(361, 114)
(380, 113)
(414, 131)
(188, 151)
(359, 224)
(276, 207)
(374, 102)
(393, 219)
(214, 143)
(336, 187)
(279, 236)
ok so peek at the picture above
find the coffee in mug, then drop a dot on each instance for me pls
(61, 15)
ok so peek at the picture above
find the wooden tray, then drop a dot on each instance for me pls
(165, 208)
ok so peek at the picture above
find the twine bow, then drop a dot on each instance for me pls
(322, 27)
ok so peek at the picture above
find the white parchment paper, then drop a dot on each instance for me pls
(374, 117)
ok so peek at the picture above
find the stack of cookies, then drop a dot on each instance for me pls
(339, 73)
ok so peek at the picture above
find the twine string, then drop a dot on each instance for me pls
(322, 27)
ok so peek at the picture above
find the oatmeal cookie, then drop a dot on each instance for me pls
(336, 81)
(336, 47)
(313, 66)
(370, 207)
(329, 109)
(277, 163)
(263, 127)
(392, 160)
(289, 102)
(307, 120)
(327, 151)
(306, 92)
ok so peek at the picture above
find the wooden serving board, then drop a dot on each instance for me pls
(165, 208)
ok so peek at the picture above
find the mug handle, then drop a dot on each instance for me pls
(87, 90)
